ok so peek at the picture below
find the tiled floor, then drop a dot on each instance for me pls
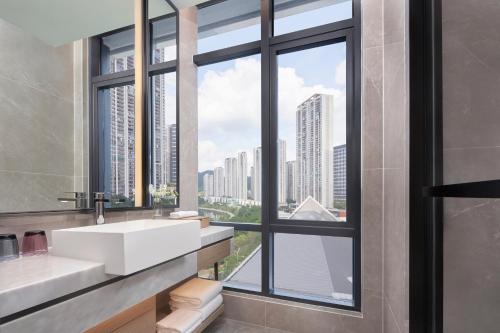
(223, 325)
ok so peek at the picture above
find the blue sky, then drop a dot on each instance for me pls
(229, 122)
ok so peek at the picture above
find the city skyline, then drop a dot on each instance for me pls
(319, 170)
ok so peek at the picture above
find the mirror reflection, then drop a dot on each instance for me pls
(45, 98)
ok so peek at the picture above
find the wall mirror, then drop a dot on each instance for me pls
(44, 98)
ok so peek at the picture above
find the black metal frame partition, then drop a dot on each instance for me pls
(99, 81)
(270, 47)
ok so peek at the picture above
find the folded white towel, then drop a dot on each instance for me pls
(179, 321)
(196, 292)
(184, 213)
(205, 311)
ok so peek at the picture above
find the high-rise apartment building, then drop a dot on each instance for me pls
(281, 172)
(121, 138)
(172, 153)
(219, 182)
(208, 185)
(242, 176)
(313, 149)
(291, 184)
(257, 172)
(339, 173)
(231, 177)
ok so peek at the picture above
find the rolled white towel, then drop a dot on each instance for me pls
(179, 321)
(205, 311)
(196, 292)
(184, 213)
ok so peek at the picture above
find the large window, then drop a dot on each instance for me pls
(229, 142)
(279, 144)
(115, 130)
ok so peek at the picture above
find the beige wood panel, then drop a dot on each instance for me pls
(136, 316)
(209, 255)
(146, 323)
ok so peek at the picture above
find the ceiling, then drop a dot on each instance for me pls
(57, 22)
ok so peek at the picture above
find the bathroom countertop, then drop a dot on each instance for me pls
(30, 281)
(213, 234)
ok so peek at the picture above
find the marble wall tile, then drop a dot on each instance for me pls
(470, 95)
(241, 308)
(188, 106)
(471, 164)
(35, 64)
(301, 320)
(395, 23)
(372, 20)
(372, 108)
(371, 320)
(372, 227)
(36, 131)
(394, 105)
(471, 265)
(471, 81)
(395, 256)
(390, 322)
(33, 191)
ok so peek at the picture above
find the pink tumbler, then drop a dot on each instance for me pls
(34, 242)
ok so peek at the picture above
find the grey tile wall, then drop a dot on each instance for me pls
(471, 142)
(395, 176)
(188, 103)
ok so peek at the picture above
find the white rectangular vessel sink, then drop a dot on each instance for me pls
(128, 247)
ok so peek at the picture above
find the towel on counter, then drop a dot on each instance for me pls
(196, 292)
(205, 311)
(179, 321)
(184, 213)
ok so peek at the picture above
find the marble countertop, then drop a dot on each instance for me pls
(29, 281)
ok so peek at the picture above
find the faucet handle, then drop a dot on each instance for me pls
(99, 197)
(78, 195)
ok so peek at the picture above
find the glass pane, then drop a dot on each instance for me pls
(230, 156)
(294, 15)
(312, 267)
(164, 40)
(228, 23)
(163, 31)
(312, 134)
(164, 132)
(242, 269)
(117, 156)
(117, 52)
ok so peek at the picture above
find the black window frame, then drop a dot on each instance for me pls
(269, 47)
(99, 81)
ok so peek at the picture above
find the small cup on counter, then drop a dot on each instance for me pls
(9, 247)
(34, 243)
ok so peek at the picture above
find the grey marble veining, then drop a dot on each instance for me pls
(83, 312)
(30, 281)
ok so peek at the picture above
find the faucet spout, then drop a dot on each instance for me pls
(99, 201)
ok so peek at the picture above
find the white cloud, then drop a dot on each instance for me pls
(340, 73)
(229, 107)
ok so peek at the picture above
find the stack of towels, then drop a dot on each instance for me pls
(191, 304)
(184, 214)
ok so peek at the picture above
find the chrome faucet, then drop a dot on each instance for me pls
(99, 201)
(80, 199)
